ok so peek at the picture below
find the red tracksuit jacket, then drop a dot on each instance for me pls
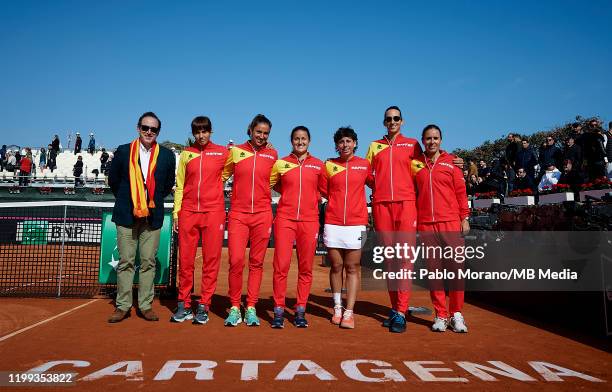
(298, 184)
(199, 187)
(441, 195)
(251, 169)
(391, 168)
(345, 189)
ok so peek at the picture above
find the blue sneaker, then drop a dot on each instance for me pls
(250, 317)
(182, 313)
(234, 318)
(278, 321)
(201, 315)
(300, 320)
(387, 322)
(398, 324)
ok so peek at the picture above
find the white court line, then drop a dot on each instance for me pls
(10, 335)
(37, 282)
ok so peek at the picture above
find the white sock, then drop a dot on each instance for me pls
(337, 299)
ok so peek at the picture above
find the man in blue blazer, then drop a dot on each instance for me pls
(141, 175)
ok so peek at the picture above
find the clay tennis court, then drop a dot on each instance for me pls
(34, 332)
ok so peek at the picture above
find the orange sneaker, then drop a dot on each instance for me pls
(348, 321)
(337, 317)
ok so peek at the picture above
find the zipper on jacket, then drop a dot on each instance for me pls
(391, 167)
(345, 190)
(253, 183)
(300, 192)
(200, 178)
(433, 218)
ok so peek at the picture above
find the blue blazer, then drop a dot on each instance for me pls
(119, 182)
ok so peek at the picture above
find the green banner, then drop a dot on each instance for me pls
(109, 252)
(34, 232)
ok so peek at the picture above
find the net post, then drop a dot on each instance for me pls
(61, 270)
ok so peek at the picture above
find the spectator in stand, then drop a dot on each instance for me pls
(51, 158)
(573, 152)
(526, 159)
(103, 160)
(472, 185)
(512, 148)
(25, 168)
(3, 157)
(91, 147)
(42, 159)
(550, 153)
(55, 144)
(77, 171)
(472, 168)
(504, 175)
(551, 176)
(571, 176)
(523, 180)
(18, 157)
(594, 151)
(11, 164)
(483, 170)
(609, 151)
(78, 142)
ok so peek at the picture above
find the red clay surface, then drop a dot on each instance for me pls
(85, 335)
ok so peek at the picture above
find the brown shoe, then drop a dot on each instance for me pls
(149, 315)
(118, 315)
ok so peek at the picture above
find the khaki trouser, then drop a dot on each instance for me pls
(141, 237)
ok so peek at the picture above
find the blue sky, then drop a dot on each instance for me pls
(477, 69)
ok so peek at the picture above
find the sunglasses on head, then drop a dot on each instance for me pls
(394, 118)
(146, 128)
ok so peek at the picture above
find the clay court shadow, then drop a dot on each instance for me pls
(365, 308)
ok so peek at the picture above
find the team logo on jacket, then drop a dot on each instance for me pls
(333, 169)
(359, 168)
(267, 156)
(416, 166)
(242, 154)
(404, 145)
(447, 165)
(214, 153)
(287, 166)
(313, 167)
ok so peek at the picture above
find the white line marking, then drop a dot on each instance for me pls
(10, 335)
(39, 281)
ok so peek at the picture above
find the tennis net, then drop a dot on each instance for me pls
(52, 249)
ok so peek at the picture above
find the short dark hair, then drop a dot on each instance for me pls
(393, 108)
(431, 126)
(259, 119)
(345, 132)
(201, 122)
(300, 128)
(149, 114)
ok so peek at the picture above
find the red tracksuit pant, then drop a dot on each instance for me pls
(444, 234)
(242, 228)
(395, 222)
(305, 236)
(192, 225)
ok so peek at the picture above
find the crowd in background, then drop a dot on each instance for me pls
(22, 163)
(585, 155)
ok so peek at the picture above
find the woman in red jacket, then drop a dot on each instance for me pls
(442, 215)
(346, 218)
(296, 177)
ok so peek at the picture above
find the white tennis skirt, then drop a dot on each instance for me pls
(344, 237)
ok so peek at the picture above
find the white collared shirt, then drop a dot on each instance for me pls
(145, 156)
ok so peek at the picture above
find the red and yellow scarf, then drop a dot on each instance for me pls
(140, 193)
